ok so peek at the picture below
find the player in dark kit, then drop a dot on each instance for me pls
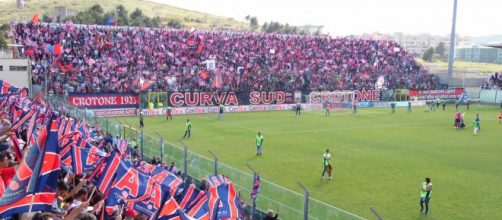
(220, 114)
(168, 113)
(141, 124)
(298, 108)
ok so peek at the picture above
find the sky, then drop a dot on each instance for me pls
(352, 17)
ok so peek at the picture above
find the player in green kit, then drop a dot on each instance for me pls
(259, 144)
(188, 129)
(326, 158)
(475, 126)
(425, 195)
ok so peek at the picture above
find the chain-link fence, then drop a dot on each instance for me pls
(291, 205)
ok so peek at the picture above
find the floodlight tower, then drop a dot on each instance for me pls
(452, 41)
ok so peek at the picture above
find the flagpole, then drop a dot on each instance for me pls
(92, 193)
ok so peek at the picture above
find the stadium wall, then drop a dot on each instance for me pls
(17, 72)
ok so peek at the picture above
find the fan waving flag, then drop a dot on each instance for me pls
(191, 195)
(202, 209)
(222, 194)
(171, 211)
(122, 146)
(85, 159)
(34, 185)
(256, 187)
(143, 84)
(106, 179)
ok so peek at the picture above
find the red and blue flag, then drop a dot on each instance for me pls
(34, 185)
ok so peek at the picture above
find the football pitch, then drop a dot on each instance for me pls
(380, 159)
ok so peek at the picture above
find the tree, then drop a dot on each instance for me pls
(253, 21)
(122, 15)
(174, 24)
(428, 55)
(136, 14)
(440, 50)
(3, 35)
(264, 27)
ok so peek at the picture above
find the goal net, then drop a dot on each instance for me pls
(333, 100)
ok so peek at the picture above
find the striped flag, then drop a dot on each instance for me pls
(256, 187)
(122, 147)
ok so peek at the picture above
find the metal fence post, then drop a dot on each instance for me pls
(106, 125)
(142, 146)
(253, 211)
(215, 163)
(120, 131)
(378, 217)
(306, 205)
(185, 156)
(162, 149)
(85, 114)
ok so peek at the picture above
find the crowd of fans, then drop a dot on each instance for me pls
(90, 59)
(76, 197)
(493, 82)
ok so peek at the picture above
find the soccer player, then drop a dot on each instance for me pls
(475, 126)
(409, 106)
(500, 117)
(141, 124)
(425, 195)
(259, 144)
(392, 107)
(478, 119)
(326, 158)
(354, 106)
(168, 112)
(298, 108)
(444, 105)
(188, 128)
(328, 107)
(220, 115)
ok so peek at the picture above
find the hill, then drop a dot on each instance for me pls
(188, 18)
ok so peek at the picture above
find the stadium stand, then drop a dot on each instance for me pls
(90, 59)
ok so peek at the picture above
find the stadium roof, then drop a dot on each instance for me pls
(496, 45)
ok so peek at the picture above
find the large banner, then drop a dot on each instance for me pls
(115, 112)
(345, 96)
(104, 100)
(192, 99)
(214, 109)
(451, 93)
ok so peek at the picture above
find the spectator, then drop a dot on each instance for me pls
(109, 59)
(80, 198)
(6, 172)
(270, 215)
(86, 216)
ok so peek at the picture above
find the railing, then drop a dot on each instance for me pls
(291, 205)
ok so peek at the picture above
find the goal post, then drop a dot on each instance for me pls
(130, 133)
(333, 99)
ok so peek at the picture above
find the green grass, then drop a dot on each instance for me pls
(9, 11)
(380, 159)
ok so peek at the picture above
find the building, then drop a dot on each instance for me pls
(63, 12)
(417, 44)
(479, 54)
(20, 4)
(16, 71)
